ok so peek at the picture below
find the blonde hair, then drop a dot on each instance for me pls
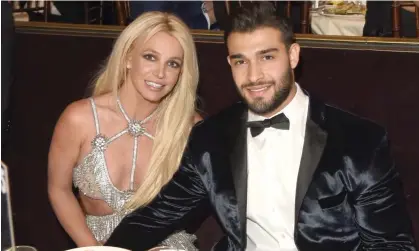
(175, 113)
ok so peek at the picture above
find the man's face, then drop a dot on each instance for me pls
(262, 68)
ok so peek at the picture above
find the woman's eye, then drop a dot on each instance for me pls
(149, 57)
(174, 64)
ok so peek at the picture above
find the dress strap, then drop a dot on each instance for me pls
(95, 115)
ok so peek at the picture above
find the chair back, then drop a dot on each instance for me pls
(396, 19)
(122, 12)
(93, 12)
(27, 7)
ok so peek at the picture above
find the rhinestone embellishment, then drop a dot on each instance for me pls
(135, 128)
(100, 142)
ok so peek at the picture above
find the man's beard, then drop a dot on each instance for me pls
(282, 91)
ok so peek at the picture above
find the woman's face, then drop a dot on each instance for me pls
(154, 67)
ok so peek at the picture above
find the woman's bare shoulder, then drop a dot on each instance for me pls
(76, 111)
(74, 122)
(81, 111)
(105, 102)
(77, 116)
(103, 99)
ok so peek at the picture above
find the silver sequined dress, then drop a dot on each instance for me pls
(92, 179)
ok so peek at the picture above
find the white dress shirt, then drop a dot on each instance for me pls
(273, 163)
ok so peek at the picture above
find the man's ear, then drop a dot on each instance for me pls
(228, 60)
(294, 55)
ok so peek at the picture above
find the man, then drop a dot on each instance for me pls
(311, 178)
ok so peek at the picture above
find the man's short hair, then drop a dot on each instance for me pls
(250, 17)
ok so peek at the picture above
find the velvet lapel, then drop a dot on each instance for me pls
(314, 143)
(238, 160)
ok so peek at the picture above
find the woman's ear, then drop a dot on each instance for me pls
(129, 61)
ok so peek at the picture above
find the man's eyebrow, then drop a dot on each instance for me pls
(236, 56)
(261, 52)
(267, 51)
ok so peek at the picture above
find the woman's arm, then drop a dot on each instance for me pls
(63, 155)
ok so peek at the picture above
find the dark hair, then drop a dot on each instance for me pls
(250, 17)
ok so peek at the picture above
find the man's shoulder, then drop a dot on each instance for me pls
(351, 121)
(352, 129)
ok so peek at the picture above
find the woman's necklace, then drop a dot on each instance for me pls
(135, 129)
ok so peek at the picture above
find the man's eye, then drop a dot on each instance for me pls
(268, 57)
(239, 62)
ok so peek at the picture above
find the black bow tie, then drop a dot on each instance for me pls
(279, 121)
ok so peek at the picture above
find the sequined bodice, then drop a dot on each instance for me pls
(92, 179)
(91, 176)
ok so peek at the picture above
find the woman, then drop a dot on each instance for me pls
(120, 146)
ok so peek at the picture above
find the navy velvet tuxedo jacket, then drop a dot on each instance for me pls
(348, 197)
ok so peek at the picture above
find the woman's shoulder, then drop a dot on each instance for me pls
(104, 101)
(73, 121)
(76, 112)
(84, 107)
(78, 117)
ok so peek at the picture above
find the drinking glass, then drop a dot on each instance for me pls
(22, 248)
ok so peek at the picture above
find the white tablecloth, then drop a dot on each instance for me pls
(343, 25)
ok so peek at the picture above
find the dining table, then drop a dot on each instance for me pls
(323, 23)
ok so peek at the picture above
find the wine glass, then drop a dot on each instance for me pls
(22, 248)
